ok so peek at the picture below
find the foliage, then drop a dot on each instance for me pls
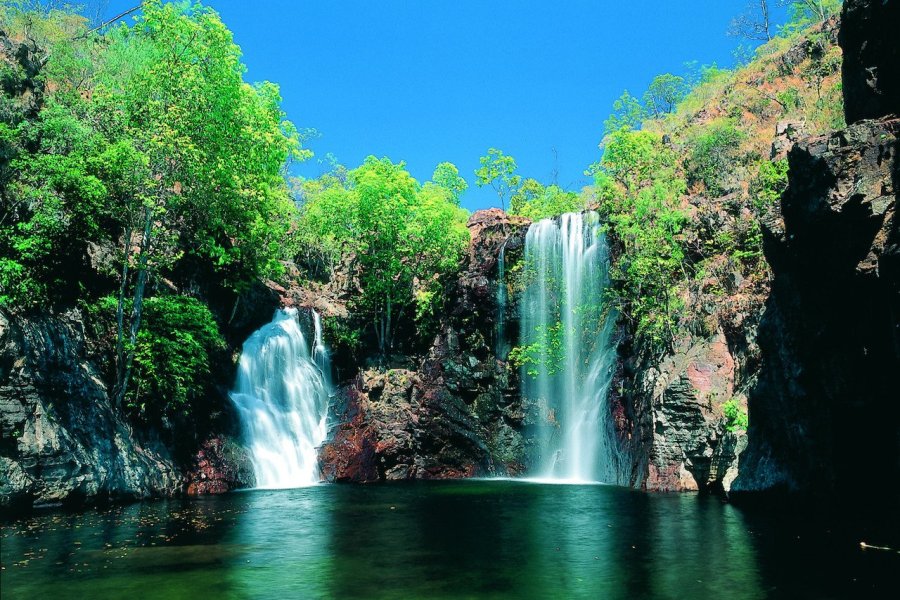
(804, 13)
(148, 140)
(769, 184)
(627, 113)
(173, 356)
(402, 237)
(535, 201)
(736, 418)
(664, 94)
(498, 170)
(711, 155)
(638, 191)
(447, 176)
(544, 355)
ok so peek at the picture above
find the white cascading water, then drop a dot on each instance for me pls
(281, 394)
(568, 335)
(500, 347)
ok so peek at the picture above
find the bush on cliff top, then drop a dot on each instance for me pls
(402, 238)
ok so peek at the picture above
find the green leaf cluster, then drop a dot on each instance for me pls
(149, 123)
(536, 201)
(401, 237)
(638, 191)
(736, 418)
(173, 355)
(712, 154)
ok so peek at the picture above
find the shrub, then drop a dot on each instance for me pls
(713, 155)
(172, 359)
(736, 418)
(769, 184)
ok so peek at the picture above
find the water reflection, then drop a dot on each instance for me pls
(485, 539)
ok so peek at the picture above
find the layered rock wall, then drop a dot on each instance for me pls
(60, 440)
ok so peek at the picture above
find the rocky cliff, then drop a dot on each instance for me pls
(61, 440)
(824, 414)
(456, 411)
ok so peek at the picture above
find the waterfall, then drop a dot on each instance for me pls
(282, 395)
(500, 348)
(566, 346)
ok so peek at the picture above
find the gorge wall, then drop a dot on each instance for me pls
(812, 352)
(824, 413)
(455, 412)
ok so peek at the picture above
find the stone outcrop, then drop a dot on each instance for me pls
(456, 412)
(824, 413)
(392, 427)
(219, 466)
(61, 441)
(671, 426)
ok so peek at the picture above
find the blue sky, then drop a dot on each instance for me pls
(426, 81)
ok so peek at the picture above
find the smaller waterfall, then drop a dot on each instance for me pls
(500, 349)
(282, 395)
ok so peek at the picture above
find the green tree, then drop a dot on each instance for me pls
(664, 94)
(146, 137)
(713, 154)
(638, 191)
(535, 201)
(498, 171)
(447, 176)
(627, 113)
(402, 238)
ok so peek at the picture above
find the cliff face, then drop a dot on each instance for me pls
(455, 412)
(823, 415)
(871, 59)
(61, 441)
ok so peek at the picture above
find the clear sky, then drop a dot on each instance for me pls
(426, 81)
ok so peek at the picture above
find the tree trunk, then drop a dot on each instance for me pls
(120, 314)
(137, 306)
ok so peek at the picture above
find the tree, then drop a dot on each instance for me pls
(146, 137)
(627, 112)
(498, 171)
(754, 23)
(802, 13)
(664, 94)
(447, 176)
(638, 192)
(402, 239)
(535, 201)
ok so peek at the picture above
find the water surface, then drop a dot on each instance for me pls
(464, 539)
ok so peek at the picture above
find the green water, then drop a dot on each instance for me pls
(467, 539)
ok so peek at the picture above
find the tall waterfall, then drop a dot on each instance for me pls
(567, 346)
(282, 394)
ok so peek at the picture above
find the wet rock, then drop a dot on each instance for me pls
(394, 428)
(824, 413)
(454, 412)
(220, 465)
(671, 427)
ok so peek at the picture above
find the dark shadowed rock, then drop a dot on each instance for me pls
(871, 68)
(824, 414)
